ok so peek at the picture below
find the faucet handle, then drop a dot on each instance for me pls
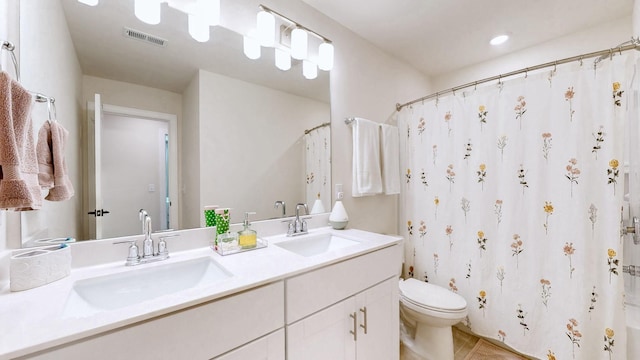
(163, 252)
(133, 258)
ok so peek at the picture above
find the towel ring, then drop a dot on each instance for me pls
(7, 45)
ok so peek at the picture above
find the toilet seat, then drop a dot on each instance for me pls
(431, 297)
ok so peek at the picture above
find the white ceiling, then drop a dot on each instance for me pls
(103, 51)
(440, 36)
(434, 36)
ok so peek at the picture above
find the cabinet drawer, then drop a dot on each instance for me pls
(313, 291)
(270, 347)
(200, 332)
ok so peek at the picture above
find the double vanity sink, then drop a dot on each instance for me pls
(102, 297)
(113, 291)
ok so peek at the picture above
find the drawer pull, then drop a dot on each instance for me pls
(364, 326)
(354, 332)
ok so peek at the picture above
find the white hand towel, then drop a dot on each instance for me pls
(390, 159)
(367, 176)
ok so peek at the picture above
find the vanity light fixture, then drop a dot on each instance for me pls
(148, 11)
(309, 69)
(283, 59)
(252, 45)
(299, 44)
(198, 27)
(500, 39)
(325, 56)
(294, 42)
(266, 26)
(201, 13)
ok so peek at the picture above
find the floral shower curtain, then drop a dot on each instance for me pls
(318, 166)
(512, 199)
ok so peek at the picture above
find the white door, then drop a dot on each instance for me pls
(324, 335)
(378, 322)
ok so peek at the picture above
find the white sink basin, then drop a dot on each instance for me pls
(115, 291)
(315, 244)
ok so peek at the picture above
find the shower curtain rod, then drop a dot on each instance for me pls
(634, 43)
(316, 127)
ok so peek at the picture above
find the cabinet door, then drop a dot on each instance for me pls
(378, 308)
(324, 335)
(270, 347)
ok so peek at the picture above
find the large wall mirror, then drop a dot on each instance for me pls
(183, 125)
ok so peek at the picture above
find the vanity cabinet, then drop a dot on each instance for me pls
(348, 310)
(200, 332)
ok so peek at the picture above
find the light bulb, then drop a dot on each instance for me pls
(325, 56)
(283, 60)
(266, 26)
(148, 11)
(299, 44)
(198, 27)
(89, 2)
(251, 46)
(309, 69)
(210, 11)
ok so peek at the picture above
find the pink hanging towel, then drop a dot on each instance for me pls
(19, 188)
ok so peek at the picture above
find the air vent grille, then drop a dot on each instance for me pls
(141, 36)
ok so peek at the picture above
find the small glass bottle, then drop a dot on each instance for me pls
(247, 237)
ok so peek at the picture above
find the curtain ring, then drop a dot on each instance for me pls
(620, 49)
(610, 54)
(526, 73)
(475, 86)
(581, 57)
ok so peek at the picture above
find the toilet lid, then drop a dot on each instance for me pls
(431, 296)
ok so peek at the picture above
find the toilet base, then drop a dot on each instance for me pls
(432, 343)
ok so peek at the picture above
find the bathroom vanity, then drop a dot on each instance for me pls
(326, 295)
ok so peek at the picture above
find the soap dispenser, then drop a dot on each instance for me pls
(247, 237)
(338, 217)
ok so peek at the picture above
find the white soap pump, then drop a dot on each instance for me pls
(338, 217)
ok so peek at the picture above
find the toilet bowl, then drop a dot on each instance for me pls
(431, 310)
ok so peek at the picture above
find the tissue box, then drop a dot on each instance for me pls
(37, 267)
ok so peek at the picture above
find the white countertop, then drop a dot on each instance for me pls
(34, 320)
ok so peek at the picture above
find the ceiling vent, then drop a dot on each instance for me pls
(139, 35)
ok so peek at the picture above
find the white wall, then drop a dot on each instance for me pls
(190, 156)
(604, 36)
(44, 35)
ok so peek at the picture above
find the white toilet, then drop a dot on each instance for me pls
(431, 310)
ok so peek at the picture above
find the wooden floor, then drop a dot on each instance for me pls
(470, 347)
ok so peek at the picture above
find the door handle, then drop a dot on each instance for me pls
(98, 212)
(363, 310)
(354, 332)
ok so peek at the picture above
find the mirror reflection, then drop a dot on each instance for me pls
(181, 126)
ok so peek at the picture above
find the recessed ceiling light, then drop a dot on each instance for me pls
(499, 39)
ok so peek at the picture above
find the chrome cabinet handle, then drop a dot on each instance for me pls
(354, 332)
(364, 326)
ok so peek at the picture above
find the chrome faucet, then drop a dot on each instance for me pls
(148, 255)
(284, 207)
(298, 226)
(147, 244)
(142, 215)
